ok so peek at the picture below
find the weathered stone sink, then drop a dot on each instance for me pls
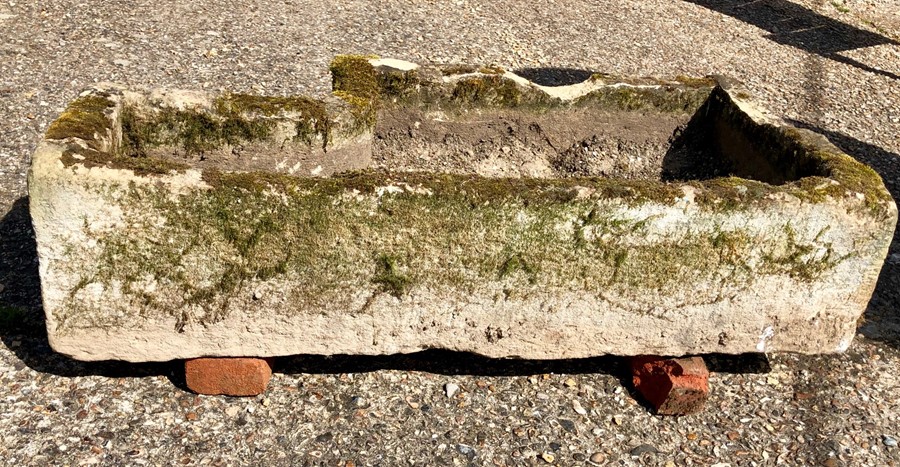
(449, 207)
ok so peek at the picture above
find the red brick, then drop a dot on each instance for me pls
(228, 376)
(673, 386)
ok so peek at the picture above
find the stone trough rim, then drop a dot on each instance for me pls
(842, 177)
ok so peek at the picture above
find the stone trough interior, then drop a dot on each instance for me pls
(296, 136)
(554, 144)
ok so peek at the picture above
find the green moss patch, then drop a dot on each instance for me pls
(852, 175)
(192, 132)
(236, 119)
(140, 164)
(354, 75)
(490, 90)
(635, 98)
(86, 118)
(355, 81)
(781, 159)
(388, 276)
(473, 87)
(311, 115)
(89, 119)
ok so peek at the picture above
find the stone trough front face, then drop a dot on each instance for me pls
(461, 208)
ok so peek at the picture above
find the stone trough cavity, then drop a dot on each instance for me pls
(454, 207)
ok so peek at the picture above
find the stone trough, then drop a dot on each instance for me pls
(451, 207)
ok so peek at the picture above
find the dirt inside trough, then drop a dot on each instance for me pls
(280, 151)
(580, 142)
(555, 144)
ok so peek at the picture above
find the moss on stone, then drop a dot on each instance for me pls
(237, 118)
(488, 90)
(86, 118)
(470, 87)
(241, 112)
(697, 82)
(141, 165)
(458, 69)
(89, 119)
(355, 81)
(726, 194)
(253, 182)
(683, 94)
(486, 86)
(193, 131)
(491, 70)
(516, 263)
(800, 260)
(327, 234)
(364, 111)
(354, 75)
(398, 84)
(323, 236)
(388, 276)
(641, 98)
(852, 175)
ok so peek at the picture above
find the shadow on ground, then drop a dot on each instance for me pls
(452, 363)
(20, 287)
(882, 318)
(554, 76)
(796, 26)
(22, 327)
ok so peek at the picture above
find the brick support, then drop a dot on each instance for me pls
(673, 386)
(228, 376)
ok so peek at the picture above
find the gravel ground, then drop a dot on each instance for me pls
(830, 66)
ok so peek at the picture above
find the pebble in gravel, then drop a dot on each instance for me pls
(579, 409)
(450, 389)
(642, 449)
(465, 450)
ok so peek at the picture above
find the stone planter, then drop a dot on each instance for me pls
(452, 207)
